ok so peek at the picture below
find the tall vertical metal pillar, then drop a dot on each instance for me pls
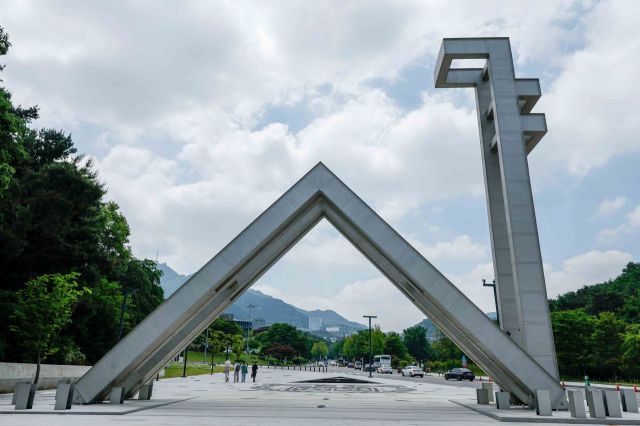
(508, 132)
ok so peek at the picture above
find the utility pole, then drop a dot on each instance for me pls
(250, 306)
(370, 348)
(495, 297)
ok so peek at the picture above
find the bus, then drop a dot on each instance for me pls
(381, 360)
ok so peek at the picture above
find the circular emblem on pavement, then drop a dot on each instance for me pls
(334, 387)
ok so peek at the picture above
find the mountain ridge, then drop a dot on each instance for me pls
(269, 308)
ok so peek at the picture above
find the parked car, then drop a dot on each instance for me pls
(358, 365)
(385, 369)
(460, 374)
(350, 365)
(412, 371)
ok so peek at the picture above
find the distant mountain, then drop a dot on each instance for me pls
(269, 308)
(171, 280)
(432, 329)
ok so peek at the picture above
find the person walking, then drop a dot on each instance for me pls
(236, 372)
(244, 369)
(227, 368)
(254, 371)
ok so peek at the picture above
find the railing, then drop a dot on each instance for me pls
(313, 368)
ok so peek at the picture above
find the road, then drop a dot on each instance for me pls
(432, 378)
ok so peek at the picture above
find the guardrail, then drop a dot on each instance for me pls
(314, 368)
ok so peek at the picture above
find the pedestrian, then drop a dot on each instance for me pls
(254, 371)
(236, 372)
(244, 369)
(227, 368)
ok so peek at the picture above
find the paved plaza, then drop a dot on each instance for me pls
(281, 397)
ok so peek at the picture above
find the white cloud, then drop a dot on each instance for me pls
(588, 268)
(593, 106)
(177, 95)
(609, 206)
(461, 247)
(630, 226)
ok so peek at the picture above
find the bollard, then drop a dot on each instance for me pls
(489, 388)
(576, 404)
(595, 403)
(503, 400)
(64, 396)
(482, 396)
(145, 391)
(543, 402)
(629, 401)
(117, 395)
(25, 392)
(15, 390)
(611, 399)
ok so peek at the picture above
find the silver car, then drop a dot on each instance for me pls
(385, 369)
(412, 371)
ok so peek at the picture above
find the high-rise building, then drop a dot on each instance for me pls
(315, 323)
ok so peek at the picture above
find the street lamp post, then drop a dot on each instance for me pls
(495, 297)
(370, 349)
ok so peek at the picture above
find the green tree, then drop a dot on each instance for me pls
(54, 220)
(572, 332)
(225, 326)
(607, 341)
(13, 127)
(336, 349)
(43, 308)
(281, 352)
(287, 335)
(395, 347)
(446, 351)
(631, 349)
(142, 280)
(415, 339)
(319, 350)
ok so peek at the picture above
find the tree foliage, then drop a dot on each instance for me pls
(43, 307)
(596, 328)
(54, 220)
(319, 350)
(415, 339)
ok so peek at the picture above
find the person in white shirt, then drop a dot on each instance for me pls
(227, 368)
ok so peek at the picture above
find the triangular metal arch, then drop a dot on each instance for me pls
(175, 323)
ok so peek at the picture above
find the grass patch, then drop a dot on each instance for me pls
(175, 370)
(219, 358)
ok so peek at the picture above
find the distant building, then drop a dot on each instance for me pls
(259, 323)
(228, 317)
(333, 329)
(244, 325)
(315, 324)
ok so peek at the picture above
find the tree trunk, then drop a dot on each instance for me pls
(38, 360)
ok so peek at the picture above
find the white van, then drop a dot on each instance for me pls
(381, 360)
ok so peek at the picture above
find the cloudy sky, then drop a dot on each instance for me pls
(201, 113)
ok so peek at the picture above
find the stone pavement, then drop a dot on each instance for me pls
(277, 399)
